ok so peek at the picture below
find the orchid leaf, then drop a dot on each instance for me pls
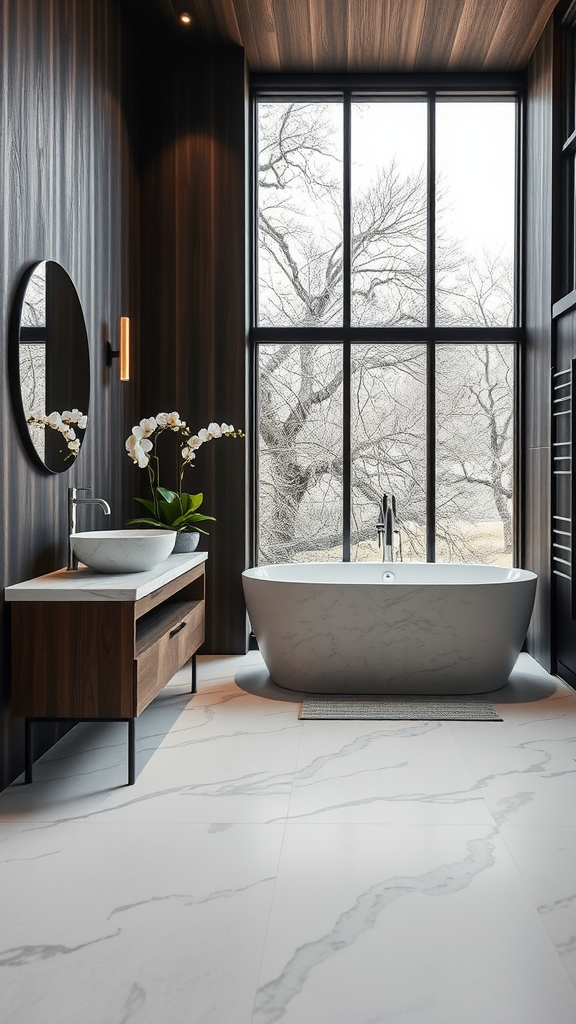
(169, 512)
(190, 517)
(190, 502)
(148, 522)
(167, 495)
(147, 504)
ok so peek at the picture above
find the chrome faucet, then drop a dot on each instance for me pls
(387, 526)
(73, 501)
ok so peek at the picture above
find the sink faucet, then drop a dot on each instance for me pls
(387, 525)
(73, 501)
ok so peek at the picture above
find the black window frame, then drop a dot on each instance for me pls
(430, 87)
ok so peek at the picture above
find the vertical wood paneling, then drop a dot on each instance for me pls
(539, 163)
(68, 187)
(537, 546)
(193, 294)
(538, 352)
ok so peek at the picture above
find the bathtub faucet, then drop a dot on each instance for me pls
(387, 528)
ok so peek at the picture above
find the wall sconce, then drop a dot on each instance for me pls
(123, 353)
(185, 18)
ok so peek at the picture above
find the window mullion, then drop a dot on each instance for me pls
(347, 210)
(431, 347)
(346, 350)
(430, 453)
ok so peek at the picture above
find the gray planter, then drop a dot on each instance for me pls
(186, 542)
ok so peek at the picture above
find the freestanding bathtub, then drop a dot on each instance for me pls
(392, 627)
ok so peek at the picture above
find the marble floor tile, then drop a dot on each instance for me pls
(73, 778)
(218, 666)
(529, 682)
(546, 859)
(265, 869)
(34, 840)
(138, 923)
(410, 923)
(230, 757)
(385, 772)
(526, 771)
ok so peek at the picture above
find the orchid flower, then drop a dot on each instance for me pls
(143, 451)
(62, 421)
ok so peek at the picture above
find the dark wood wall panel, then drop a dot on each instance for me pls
(537, 541)
(69, 193)
(539, 140)
(538, 352)
(193, 285)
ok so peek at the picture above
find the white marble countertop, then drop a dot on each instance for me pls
(86, 585)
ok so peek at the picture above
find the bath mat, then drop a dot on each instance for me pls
(336, 706)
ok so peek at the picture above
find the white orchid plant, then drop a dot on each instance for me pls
(171, 510)
(67, 423)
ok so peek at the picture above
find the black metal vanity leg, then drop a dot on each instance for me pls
(28, 751)
(131, 751)
(193, 690)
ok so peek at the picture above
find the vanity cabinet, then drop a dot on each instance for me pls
(91, 647)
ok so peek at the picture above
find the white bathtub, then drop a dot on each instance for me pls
(357, 627)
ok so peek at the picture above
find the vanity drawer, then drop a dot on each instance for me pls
(165, 640)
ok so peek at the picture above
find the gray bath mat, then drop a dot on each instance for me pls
(336, 706)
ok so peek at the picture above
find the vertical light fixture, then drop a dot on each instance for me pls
(122, 353)
(124, 348)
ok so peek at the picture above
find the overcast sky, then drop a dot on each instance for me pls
(475, 159)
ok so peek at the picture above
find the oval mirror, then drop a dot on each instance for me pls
(50, 366)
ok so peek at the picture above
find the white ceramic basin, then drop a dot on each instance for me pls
(123, 550)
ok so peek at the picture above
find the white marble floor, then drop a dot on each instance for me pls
(264, 869)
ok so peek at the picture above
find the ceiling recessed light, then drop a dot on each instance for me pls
(185, 18)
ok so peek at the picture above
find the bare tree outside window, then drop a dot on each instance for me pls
(388, 444)
(300, 214)
(32, 355)
(300, 283)
(475, 162)
(389, 214)
(474, 437)
(300, 471)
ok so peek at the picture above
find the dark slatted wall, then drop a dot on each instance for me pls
(193, 222)
(538, 355)
(68, 194)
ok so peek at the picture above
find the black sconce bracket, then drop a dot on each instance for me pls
(111, 354)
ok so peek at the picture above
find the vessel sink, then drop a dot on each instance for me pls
(119, 551)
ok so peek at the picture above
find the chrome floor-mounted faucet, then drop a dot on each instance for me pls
(387, 525)
(73, 501)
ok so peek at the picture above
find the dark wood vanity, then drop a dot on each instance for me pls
(91, 647)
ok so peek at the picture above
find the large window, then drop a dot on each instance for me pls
(385, 326)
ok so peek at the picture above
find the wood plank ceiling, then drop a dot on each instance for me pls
(372, 35)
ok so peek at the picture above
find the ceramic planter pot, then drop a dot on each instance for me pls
(186, 542)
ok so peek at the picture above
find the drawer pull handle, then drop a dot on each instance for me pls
(177, 629)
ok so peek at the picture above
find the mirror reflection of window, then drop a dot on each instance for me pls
(50, 366)
(34, 304)
(33, 353)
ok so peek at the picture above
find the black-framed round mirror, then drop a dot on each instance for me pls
(50, 366)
